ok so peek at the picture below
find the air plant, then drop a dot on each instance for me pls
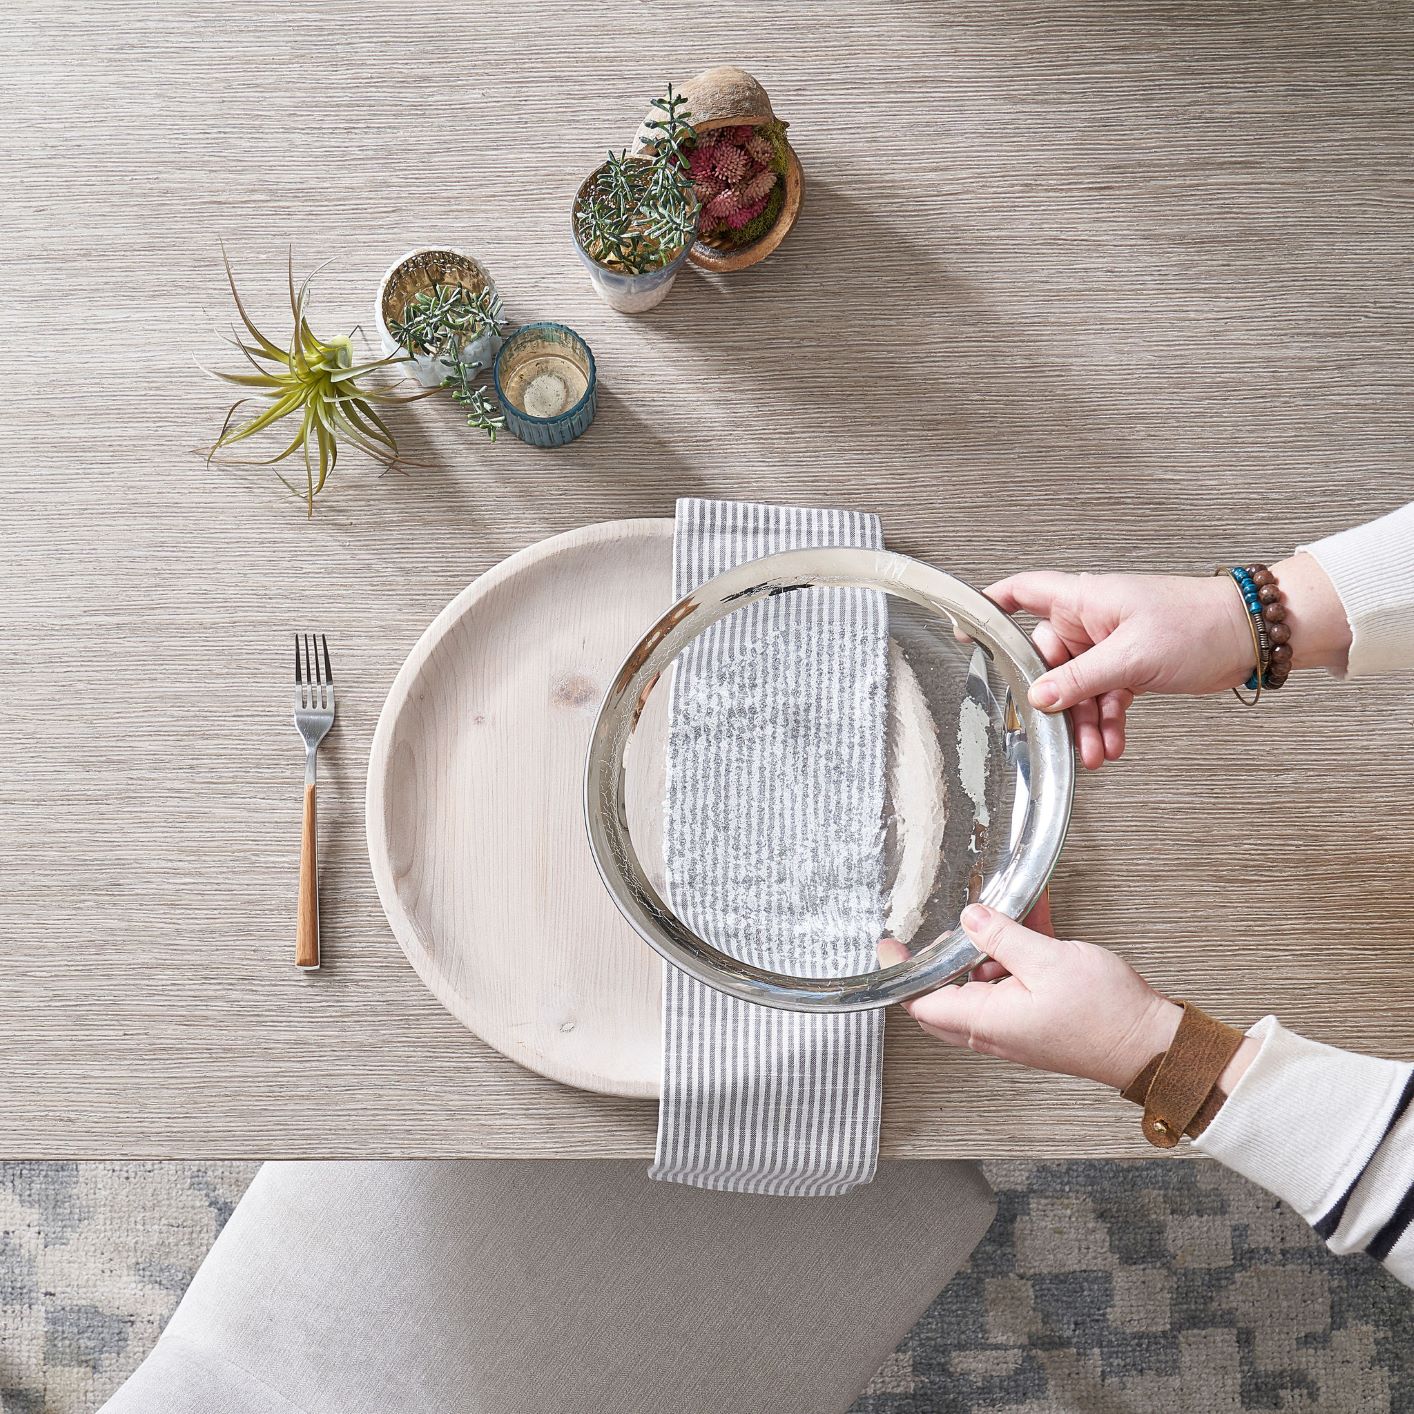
(637, 212)
(439, 322)
(315, 380)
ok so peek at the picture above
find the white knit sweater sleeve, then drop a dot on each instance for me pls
(1372, 569)
(1331, 1133)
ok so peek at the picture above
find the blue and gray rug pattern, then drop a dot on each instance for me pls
(1115, 1288)
(1102, 1288)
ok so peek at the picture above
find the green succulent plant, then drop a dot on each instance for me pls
(443, 319)
(479, 406)
(638, 211)
(439, 322)
(319, 382)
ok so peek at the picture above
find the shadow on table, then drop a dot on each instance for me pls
(622, 466)
(627, 466)
(865, 335)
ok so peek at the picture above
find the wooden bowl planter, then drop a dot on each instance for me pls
(420, 270)
(620, 289)
(739, 141)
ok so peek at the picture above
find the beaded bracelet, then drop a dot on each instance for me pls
(1271, 635)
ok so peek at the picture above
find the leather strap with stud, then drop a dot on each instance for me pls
(1179, 1088)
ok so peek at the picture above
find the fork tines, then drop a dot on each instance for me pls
(314, 675)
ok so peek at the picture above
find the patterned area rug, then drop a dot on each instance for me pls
(93, 1260)
(1116, 1288)
(1101, 1289)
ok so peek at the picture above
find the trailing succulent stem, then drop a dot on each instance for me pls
(439, 322)
(637, 212)
(479, 406)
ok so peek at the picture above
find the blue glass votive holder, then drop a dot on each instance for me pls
(546, 384)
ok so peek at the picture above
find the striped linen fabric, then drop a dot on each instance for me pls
(774, 850)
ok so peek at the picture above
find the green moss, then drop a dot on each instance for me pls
(756, 228)
(777, 133)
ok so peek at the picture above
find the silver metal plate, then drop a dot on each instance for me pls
(980, 783)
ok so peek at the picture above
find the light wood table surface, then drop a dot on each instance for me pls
(1123, 286)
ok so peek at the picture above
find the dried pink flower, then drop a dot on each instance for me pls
(724, 204)
(730, 164)
(760, 150)
(757, 189)
(699, 161)
(741, 134)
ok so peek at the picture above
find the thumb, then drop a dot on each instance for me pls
(1098, 670)
(892, 952)
(1019, 949)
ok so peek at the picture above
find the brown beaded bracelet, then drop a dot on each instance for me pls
(1278, 631)
(1271, 634)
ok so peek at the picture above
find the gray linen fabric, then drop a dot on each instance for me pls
(774, 849)
(547, 1287)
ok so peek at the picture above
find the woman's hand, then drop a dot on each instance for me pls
(1066, 1007)
(1110, 637)
(1070, 1008)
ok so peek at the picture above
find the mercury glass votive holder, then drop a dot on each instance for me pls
(546, 384)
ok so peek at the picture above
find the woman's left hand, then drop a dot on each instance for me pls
(1055, 1005)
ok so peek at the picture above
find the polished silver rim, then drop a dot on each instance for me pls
(1013, 889)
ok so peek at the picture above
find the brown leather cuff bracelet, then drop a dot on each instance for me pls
(1179, 1088)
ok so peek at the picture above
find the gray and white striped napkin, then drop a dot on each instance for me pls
(774, 849)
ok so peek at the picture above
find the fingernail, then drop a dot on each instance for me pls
(975, 916)
(1044, 694)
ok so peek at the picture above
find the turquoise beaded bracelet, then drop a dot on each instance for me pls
(1261, 596)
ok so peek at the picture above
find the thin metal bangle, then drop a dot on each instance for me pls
(1256, 642)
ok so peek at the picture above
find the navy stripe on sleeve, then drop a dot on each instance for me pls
(1382, 1243)
(1326, 1227)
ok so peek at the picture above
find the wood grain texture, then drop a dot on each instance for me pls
(475, 808)
(1121, 285)
(307, 907)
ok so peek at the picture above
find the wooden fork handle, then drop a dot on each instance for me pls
(307, 915)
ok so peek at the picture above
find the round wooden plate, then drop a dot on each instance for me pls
(474, 814)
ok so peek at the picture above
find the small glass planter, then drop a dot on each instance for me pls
(629, 294)
(546, 384)
(419, 270)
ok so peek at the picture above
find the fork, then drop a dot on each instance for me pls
(314, 715)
